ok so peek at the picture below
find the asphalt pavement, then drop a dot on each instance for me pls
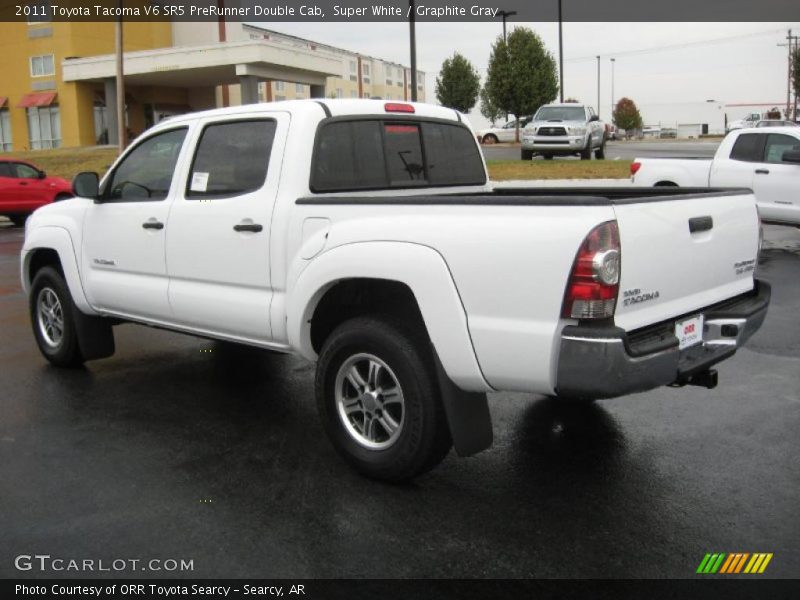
(621, 150)
(183, 448)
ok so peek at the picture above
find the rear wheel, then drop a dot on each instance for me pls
(18, 220)
(526, 154)
(378, 398)
(600, 153)
(490, 139)
(52, 318)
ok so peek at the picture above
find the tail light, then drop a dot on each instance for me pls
(594, 281)
(635, 166)
(398, 107)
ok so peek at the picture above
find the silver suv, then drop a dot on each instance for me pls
(562, 130)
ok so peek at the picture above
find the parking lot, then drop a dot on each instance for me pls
(184, 448)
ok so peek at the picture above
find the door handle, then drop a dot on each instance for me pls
(23, 183)
(762, 171)
(254, 227)
(153, 225)
(697, 224)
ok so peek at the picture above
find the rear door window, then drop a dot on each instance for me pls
(5, 170)
(386, 154)
(231, 159)
(748, 147)
(777, 144)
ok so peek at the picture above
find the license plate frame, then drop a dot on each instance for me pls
(689, 331)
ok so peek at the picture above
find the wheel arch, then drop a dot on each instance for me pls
(362, 275)
(52, 246)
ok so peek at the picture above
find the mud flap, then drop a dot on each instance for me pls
(95, 335)
(467, 415)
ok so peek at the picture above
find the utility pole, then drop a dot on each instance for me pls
(413, 42)
(598, 85)
(121, 130)
(560, 54)
(792, 44)
(613, 60)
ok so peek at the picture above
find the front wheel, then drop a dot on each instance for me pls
(52, 319)
(600, 153)
(490, 139)
(586, 153)
(378, 398)
(526, 154)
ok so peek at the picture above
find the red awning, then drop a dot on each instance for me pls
(3, 100)
(37, 99)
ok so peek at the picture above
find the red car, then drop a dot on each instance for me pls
(24, 188)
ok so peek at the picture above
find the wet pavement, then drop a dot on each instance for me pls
(183, 448)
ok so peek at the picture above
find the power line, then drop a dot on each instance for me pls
(666, 48)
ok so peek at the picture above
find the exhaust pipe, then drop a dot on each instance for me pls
(707, 379)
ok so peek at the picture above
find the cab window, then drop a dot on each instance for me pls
(777, 144)
(26, 171)
(145, 174)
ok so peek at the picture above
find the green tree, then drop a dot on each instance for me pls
(489, 110)
(458, 84)
(626, 116)
(522, 74)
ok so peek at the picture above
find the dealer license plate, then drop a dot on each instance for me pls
(689, 331)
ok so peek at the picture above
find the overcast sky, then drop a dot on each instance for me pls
(655, 62)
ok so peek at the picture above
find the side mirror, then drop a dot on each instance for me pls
(42, 175)
(86, 185)
(594, 118)
(791, 156)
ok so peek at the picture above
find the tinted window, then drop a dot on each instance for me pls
(451, 156)
(404, 154)
(231, 159)
(26, 171)
(376, 154)
(145, 174)
(777, 144)
(5, 170)
(349, 156)
(747, 147)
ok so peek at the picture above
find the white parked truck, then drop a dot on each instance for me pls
(766, 160)
(364, 235)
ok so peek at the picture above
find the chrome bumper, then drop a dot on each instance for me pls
(605, 362)
(554, 144)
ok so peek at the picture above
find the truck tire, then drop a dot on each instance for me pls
(378, 398)
(52, 319)
(526, 154)
(547, 156)
(586, 153)
(600, 153)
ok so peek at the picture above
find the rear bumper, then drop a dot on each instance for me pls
(605, 362)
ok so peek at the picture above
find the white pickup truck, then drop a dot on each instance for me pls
(766, 160)
(365, 236)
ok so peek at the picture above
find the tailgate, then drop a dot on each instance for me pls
(683, 254)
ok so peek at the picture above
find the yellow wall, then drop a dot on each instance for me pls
(68, 40)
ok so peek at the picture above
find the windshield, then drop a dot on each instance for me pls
(561, 113)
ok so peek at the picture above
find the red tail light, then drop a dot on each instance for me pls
(398, 107)
(635, 166)
(594, 281)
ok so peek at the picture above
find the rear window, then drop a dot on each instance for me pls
(5, 170)
(747, 147)
(386, 154)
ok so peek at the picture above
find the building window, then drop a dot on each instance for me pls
(280, 86)
(44, 127)
(339, 93)
(366, 95)
(39, 12)
(280, 98)
(365, 68)
(5, 131)
(299, 88)
(353, 94)
(352, 66)
(42, 66)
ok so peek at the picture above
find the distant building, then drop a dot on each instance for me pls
(58, 86)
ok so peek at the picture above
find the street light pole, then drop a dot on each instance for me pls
(613, 60)
(413, 43)
(560, 55)
(598, 84)
(505, 14)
